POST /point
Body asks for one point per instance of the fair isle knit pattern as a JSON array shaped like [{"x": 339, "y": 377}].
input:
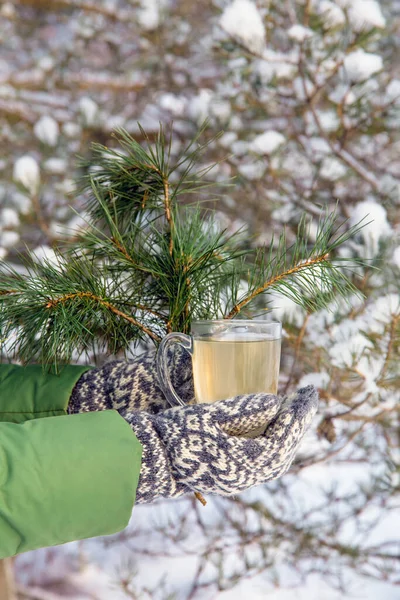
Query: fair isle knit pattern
[
  {"x": 204, "y": 447},
  {"x": 200, "y": 447},
  {"x": 131, "y": 386}
]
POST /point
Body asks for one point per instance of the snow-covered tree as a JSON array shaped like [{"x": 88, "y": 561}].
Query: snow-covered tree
[{"x": 308, "y": 95}]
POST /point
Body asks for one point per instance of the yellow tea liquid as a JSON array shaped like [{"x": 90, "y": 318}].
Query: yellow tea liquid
[{"x": 229, "y": 367}]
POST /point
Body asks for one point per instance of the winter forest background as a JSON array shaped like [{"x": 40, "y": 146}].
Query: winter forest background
[{"x": 308, "y": 95}]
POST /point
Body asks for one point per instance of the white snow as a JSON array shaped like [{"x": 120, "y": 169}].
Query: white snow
[
  {"x": 26, "y": 172},
  {"x": 347, "y": 342},
  {"x": 56, "y": 166},
  {"x": 89, "y": 110},
  {"x": 317, "y": 276},
  {"x": 371, "y": 368},
  {"x": 240, "y": 147},
  {"x": 359, "y": 65},
  {"x": 364, "y": 14},
  {"x": 382, "y": 311},
  {"x": 9, "y": 218},
  {"x": 61, "y": 230},
  {"x": 236, "y": 123},
  {"x": 21, "y": 202},
  {"x": 78, "y": 222},
  {"x": 264, "y": 70},
  {"x": 227, "y": 139},
  {"x": 342, "y": 93},
  {"x": 66, "y": 186},
  {"x": 95, "y": 582},
  {"x": 296, "y": 162},
  {"x": 46, "y": 63},
  {"x": 221, "y": 109},
  {"x": 312, "y": 231},
  {"x": 252, "y": 171},
  {"x": 267, "y": 142},
  {"x": 393, "y": 90},
  {"x": 332, "y": 169},
  {"x": 242, "y": 21},
  {"x": 72, "y": 130},
  {"x": 328, "y": 119},
  {"x": 175, "y": 104},
  {"x": 317, "y": 146},
  {"x": 303, "y": 88},
  {"x": 8, "y": 239},
  {"x": 299, "y": 33},
  {"x": 331, "y": 13},
  {"x": 379, "y": 226},
  {"x": 284, "y": 309},
  {"x": 396, "y": 256},
  {"x": 317, "y": 588},
  {"x": 391, "y": 186},
  {"x": 47, "y": 130},
  {"x": 319, "y": 380},
  {"x": 41, "y": 252},
  {"x": 375, "y": 317},
  {"x": 284, "y": 65},
  {"x": 112, "y": 122},
  {"x": 199, "y": 106},
  {"x": 149, "y": 15},
  {"x": 349, "y": 351}
]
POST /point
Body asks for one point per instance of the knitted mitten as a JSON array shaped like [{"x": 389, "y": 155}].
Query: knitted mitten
[
  {"x": 131, "y": 386},
  {"x": 203, "y": 447}
]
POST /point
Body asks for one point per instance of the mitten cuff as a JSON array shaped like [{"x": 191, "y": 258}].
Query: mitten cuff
[
  {"x": 157, "y": 476},
  {"x": 90, "y": 393}
]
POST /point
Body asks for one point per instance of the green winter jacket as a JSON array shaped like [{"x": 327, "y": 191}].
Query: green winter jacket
[{"x": 62, "y": 477}]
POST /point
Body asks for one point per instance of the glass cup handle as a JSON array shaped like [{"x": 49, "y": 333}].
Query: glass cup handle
[{"x": 164, "y": 378}]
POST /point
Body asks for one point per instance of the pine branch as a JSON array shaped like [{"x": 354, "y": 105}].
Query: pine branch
[
  {"x": 147, "y": 265},
  {"x": 133, "y": 178},
  {"x": 56, "y": 310},
  {"x": 79, "y": 295},
  {"x": 274, "y": 282},
  {"x": 297, "y": 271}
]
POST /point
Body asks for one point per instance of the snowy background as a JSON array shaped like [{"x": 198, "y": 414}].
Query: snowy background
[{"x": 308, "y": 95}]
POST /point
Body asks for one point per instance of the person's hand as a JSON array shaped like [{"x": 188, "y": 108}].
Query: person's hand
[
  {"x": 204, "y": 448},
  {"x": 132, "y": 386}
]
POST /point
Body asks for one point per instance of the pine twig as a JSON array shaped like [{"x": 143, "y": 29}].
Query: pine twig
[
  {"x": 271, "y": 282},
  {"x": 167, "y": 203},
  {"x": 168, "y": 214},
  {"x": 52, "y": 303},
  {"x": 126, "y": 254},
  {"x": 200, "y": 498}
]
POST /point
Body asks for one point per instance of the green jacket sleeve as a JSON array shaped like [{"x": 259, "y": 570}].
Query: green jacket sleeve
[{"x": 62, "y": 478}]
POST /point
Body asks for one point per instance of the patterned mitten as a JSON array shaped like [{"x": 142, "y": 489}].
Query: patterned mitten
[
  {"x": 131, "y": 386},
  {"x": 204, "y": 448}
]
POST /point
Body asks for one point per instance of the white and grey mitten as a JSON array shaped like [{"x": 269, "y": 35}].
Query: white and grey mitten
[
  {"x": 131, "y": 386},
  {"x": 203, "y": 447}
]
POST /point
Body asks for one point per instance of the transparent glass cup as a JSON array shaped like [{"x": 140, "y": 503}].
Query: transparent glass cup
[{"x": 229, "y": 358}]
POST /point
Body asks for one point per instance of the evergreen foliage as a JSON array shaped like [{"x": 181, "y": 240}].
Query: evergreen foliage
[{"x": 148, "y": 263}]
